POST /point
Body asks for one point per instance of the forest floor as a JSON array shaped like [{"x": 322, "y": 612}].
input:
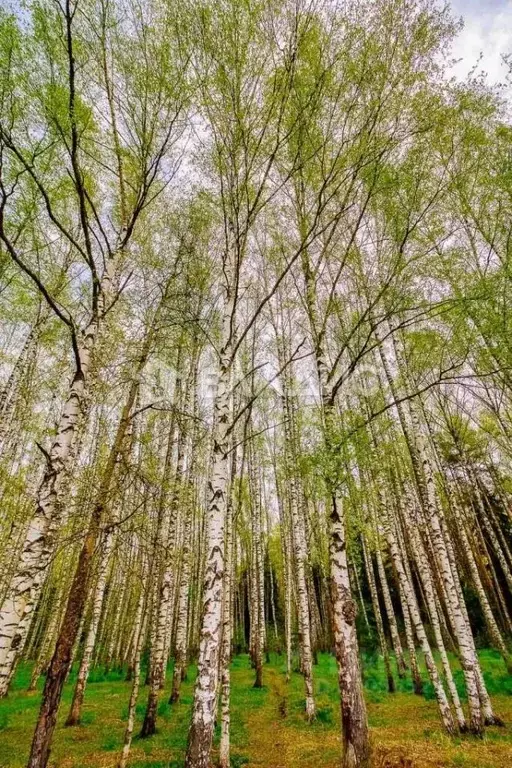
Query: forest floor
[{"x": 268, "y": 727}]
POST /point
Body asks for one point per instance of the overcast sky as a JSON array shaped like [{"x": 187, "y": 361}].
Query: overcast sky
[{"x": 487, "y": 30}]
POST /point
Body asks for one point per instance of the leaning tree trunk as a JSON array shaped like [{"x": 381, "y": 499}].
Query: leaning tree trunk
[
  {"x": 390, "y": 612},
  {"x": 158, "y": 654},
  {"x": 62, "y": 656},
  {"x": 11, "y": 396},
  {"x": 469, "y": 661},
  {"x": 497, "y": 549},
  {"x": 38, "y": 546},
  {"x": 370, "y": 575},
  {"x": 425, "y": 483},
  {"x": 138, "y": 644},
  {"x": 424, "y": 572},
  {"x": 25, "y": 588},
  {"x": 489, "y": 718},
  {"x": 408, "y": 590},
  {"x": 492, "y": 626},
  {"x": 97, "y": 603},
  {"x": 411, "y": 647},
  {"x": 50, "y": 634}
]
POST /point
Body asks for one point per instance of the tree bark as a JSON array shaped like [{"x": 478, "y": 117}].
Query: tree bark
[
  {"x": 61, "y": 660},
  {"x": 205, "y": 694},
  {"x": 83, "y": 672}
]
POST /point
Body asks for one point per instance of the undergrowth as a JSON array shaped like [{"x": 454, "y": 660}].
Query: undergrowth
[{"x": 268, "y": 726}]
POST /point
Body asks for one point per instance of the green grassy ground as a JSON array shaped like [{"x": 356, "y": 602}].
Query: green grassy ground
[{"x": 268, "y": 727}]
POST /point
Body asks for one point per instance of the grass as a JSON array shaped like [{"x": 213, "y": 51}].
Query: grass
[{"x": 268, "y": 728}]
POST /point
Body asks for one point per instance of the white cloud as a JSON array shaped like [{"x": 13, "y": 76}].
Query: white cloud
[{"x": 487, "y": 31}]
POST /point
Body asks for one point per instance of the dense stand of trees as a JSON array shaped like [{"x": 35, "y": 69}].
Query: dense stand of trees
[{"x": 255, "y": 381}]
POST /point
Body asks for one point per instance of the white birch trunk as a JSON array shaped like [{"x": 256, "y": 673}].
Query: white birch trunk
[
  {"x": 469, "y": 661},
  {"x": 492, "y": 626},
  {"x": 257, "y": 575},
  {"x": 408, "y": 590},
  {"x": 496, "y": 546},
  {"x": 298, "y": 543},
  {"x": 182, "y": 607},
  {"x": 395, "y": 637},
  {"x": 139, "y": 641},
  {"x": 378, "y": 616},
  {"x": 225, "y": 678},
  {"x": 38, "y": 546},
  {"x": 205, "y": 694},
  {"x": 429, "y": 591}
]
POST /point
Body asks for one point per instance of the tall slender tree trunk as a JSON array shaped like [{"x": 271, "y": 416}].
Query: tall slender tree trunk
[
  {"x": 390, "y": 612},
  {"x": 354, "y": 719},
  {"x": 378, "y": 616},
  {"x": 138, "y": 645},
  {"x": 427, "y": 494},
  {"x": 408, "y": 589},
  {"x": 287, "y": 571},
  {"x": 225, "y": 660},
  {"x": 180, "y": 660},
  {"x": 25, "y": 588},
  {"x": 497, "y": 549},
  {"x": 205, "y": 693},
  {"x": 37, "y": 549},
  {"x": 461, "y": 627},
  {"x": 298, "y": 543},
  {"x": 11, "y": 395},
  {"x": 424, "y": 572},
  {"x": 62, "y": 656},
  {"x": 257, "y": 574},
  {"x": 492, "y": 626},
  {"x": 362, "y": 605},
  {"x": 165, "y": 567},
  {"x": 356, "y": 745},
  {"x": 411, "y": 647},
  {"x": 99, "y": 593}
]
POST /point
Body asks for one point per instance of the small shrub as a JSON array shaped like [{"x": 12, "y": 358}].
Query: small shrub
[
  {"x": 237, "y": 761},
  {"x": 324, "y": 714},
  {"x": 164, "y": 710},
  {"x": 88, "y": 717},
  {"x": 110, "y": 743},
  {"x": 428, "y": 691}
]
